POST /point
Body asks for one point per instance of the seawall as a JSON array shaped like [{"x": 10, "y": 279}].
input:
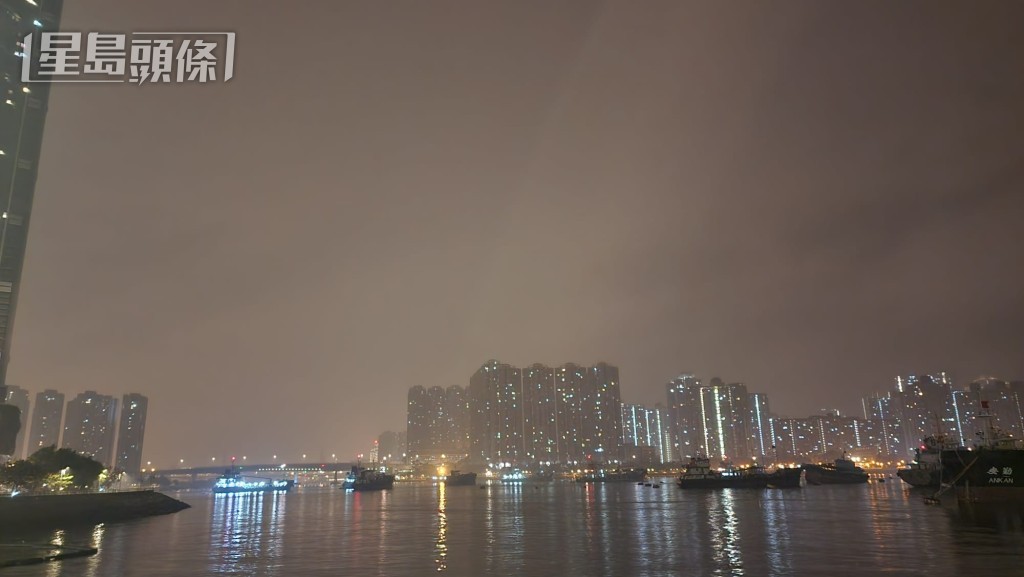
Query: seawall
[{"x": 45, "y": 511}]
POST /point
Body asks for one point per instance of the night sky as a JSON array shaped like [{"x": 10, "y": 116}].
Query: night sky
[{"x": 809, "y": 198}]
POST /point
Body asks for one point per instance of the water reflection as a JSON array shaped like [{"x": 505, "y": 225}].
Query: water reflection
[
  {"x": 724, "y": 525},
  {"x": 441, "y": 548},
  {"x": 246, "y": 532}
]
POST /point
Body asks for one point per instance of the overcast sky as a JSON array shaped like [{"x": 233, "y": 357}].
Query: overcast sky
[{"x": 809, "y": 198}]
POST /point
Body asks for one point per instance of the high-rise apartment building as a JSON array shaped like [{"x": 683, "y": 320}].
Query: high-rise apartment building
[
  {"x": 89, "y": 426},
  {"x": 725, "y": 414},
  {"x": 496, "y": 414},
  {"x": 131, "y": 433},
  {"x": 23, "y": 108},
  {"x": 540, "y": 414},
  {"x": 437, "y": 422},
  {"x": 22, "y": 117},
  {"x": 47, "y": 420},
  {"x": 602, "y": 413},
  {"x": 648, "y": 428},
  {"x": 683, "y": 396}
]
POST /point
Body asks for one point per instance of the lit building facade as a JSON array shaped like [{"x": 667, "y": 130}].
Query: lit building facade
[
  {"x": 642, "y": 428},
  {"x": 683, "y": 396},
  {"x": 496, "y": 414},
  {"x": 47, "y": 420},
  {"x": 131, "y": 433},
  {"x": 540, "y": 414},
  {"x": 22, "y": 118},
  {"x": 89, "y": 426}
]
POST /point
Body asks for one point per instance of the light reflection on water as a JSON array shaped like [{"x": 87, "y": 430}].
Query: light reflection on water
[{"x": 554, "y": 529}]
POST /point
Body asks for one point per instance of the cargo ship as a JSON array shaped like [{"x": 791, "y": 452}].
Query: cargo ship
[
  {"x": 458, "y": 478},
  {"x": 990, "y": 472},
  {"x": 842, "y": 471}
]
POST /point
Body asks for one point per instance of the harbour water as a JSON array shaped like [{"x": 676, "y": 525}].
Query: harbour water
[{"x": 554, "y": 528}]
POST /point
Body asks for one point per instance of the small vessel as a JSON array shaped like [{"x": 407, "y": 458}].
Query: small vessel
[
  {"x": 698, "y": 474},
  {"x": 458, "y": 478},
  {"x": 232, "y": 481},
  {"x": 842, "y": 471},
  {"x": 363, "y": 479},
  {"x": 926, "y": 470},
  {"x": 612, "y": 476}
]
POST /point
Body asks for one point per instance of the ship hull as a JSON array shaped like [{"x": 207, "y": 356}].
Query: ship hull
[
  {"x": 985, "y": 475},
  {"x": 917, "y": 477},
  {"x": 787, "y": 478},
  {"x": 367, "y": 486},
  {"x": 460, "y": 480},
  {"x": 818, "y": 475}
]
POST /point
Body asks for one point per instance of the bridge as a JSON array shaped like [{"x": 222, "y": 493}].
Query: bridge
[{"x": 259, "y": 470}]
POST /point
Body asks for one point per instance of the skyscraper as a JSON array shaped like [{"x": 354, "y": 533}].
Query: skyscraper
[
  {"x": 22, "y": 116},
  {"x": 456, "y": 436},
  {"x": 602, "y": 413},
  {"x": 496, "y": 414},
  {"x": 644, "y": 428},
  {"x": 760, "y": 432},
  {"x": 18, "y": 397},
  {"x": 725, "y": 414},
  {"x": 540, "y": 413},
  {"x": 683, "y": 396},
  {"x": 418, "y": 422},
  {"x": 47, "y": 420},
  {"x": 437, "y": 422},
  {"x": 131, "y": 432},
  {"x": 89, "y": 425}
]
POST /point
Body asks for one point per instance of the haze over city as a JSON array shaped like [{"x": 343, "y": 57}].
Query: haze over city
[{"x": 391, "y": 195}]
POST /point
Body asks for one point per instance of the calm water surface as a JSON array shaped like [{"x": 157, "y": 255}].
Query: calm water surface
[{"x": 554, "y": 529}]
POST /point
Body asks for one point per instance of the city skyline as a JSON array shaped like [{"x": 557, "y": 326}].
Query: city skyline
[{"x": 746, "y": 192}]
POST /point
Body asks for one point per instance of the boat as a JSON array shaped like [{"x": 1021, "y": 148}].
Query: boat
[
  {"x": 990, "y": 472},
  {"x": 457, "y": 478},
  {"x": 926, "y": 469},
  {"x": 232, "y": 481},
  {"x": 698, "y": 474},
  {"x": 787, "y": 478},
  {"x": 363, "y": 479},
  {"x": 842, "y": 471},
  {"x": 612, "y": 476}
]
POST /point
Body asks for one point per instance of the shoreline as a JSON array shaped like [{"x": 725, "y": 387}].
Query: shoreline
[{"x": 33, "y": 512}]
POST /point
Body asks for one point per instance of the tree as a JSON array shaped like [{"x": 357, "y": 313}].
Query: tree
[{"x": 23, "y": 475}]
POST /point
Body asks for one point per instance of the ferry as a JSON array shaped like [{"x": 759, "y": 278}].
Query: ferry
[{"x": 232, "y": 481}]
